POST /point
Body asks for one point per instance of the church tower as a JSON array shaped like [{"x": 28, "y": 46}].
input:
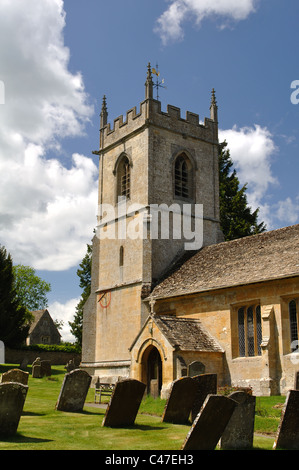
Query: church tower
[{"x": 156, "y": 171}]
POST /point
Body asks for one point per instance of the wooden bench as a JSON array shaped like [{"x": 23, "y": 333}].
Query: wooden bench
[{"x": 102, "y": 389}]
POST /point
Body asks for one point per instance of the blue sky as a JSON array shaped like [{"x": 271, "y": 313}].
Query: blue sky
[{"x": 58, "y": 58}]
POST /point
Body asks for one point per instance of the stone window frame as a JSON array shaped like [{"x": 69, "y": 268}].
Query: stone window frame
[
  {"x": 179, "y": 188},
  {"x": 247, "y": 337},
  {"x": 287, "y": 339},
  {"x": 122, "y": 172},
  {"x": 293, "y": 323}
]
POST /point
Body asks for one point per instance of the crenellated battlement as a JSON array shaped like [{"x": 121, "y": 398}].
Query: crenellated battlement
[{"x": 150, "y": 113}]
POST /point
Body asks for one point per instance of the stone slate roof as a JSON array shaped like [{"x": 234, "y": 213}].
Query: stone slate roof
[
  {"x": 186, "y": 334},
  {"x": 37, "y": 314},
  {"x": 267, "y": 256}
]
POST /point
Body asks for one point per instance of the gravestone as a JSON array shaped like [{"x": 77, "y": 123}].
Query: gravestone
[
  {"x": 15, "y": 375},
  {"x": 2, "y": 353},
  {"x": 210, "y": 423},
  {"x": 124, "y": 403},
  {"x": 73, "y": 391},
  {"x": 70, "y": 365},
  {"x": 238, "y": 434},
  {"x": 288, "y": 430},
  {"x": 46, "y": 368},
  {"x": 196, "y": 368},
  {"x": 24, "y": 363},
  {"x": 12, "y": 399},
  {"x": 206, "y": 385},
  {"x": 37, "y": 368},
  {"x": 180, "y": 401}
]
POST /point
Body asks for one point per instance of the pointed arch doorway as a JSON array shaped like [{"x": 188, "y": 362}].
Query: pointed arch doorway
[{"x": 152, "y": 371}]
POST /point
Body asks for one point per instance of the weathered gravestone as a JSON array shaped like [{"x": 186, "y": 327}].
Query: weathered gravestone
[
  {"x": 24, "y": 363},
  {"x": 12, "y": 399},
  {"x": 73, "y": 391},
  {"x": 37, "y": 368},
  {"x": 288, "y": 430},
  {"x": 15, "y": 375},
  {"x": 46, "y": 368},
  {"x": 206, "y": 385},
  {"x": 196, "y": 368},
  {"x": 2, "y": 353},
  {"x": 124, "y": 403},
  {"x": 210, "y": 423},
  {"x": 180, "y": 401},
  {"x": 238, "y": 434}
]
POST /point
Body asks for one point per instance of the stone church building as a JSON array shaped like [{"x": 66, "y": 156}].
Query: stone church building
[{"x": 161, "y": 308}]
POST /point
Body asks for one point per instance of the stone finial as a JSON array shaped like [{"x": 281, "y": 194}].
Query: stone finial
[
  {"x": 104, "y": 113},
  {"x": 214, "y": 107},
  {"x": 149, "y": 85}
]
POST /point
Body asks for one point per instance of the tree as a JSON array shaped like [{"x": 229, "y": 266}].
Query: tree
[
  {"x": 84, "y": 274},
  {"x": 236, "y": 218},
  {"x": 31, "y": 290},
  {"x": 14, "y": 325}
]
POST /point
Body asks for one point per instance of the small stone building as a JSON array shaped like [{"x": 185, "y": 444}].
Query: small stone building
[
  {"x": 158, "y": 310},
  {"x": 43, "y": 329}
]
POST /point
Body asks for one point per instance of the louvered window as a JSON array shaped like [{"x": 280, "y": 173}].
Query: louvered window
[
  {"x": 124, "y": 178},
  {"x": 183, "y": 177}
]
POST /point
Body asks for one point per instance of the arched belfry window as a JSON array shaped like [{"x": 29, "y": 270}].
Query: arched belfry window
[
  {"x": 183, "y": 177},
  {"x": 123, "y": 178}
]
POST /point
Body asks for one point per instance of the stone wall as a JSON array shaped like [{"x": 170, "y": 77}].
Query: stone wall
[{"x": 16, "y": 356}]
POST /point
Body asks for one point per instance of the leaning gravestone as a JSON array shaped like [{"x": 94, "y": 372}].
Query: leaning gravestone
[
  {"x": 238, "y": 434},
  {"x": 15, "y": 375},
  {"x": 206, "y": 385},
  {"x": 12, "y": 399},
  {"x": 210, "y": 423},
  {"x": 124, "y": 403},
  {"x": 73, "y": 391},
  {"x": 288, "y": 430},
  {"x": 179, "y": 404}
]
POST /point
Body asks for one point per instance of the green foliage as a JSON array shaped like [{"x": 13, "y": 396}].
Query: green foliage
[
  {"x": 236, "y": 218},
  {"x": 13, "y": 316},
  {"x": 64, "y": 347},
  {"x": 31, "y": 289},
  {"x": 84, "y": 274}
]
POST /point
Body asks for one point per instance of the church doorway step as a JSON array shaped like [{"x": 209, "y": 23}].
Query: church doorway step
[{"x": 153, "y": 371}]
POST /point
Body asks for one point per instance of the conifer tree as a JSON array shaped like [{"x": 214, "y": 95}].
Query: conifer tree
[
  {"x": 14, "y": 324},
  {"x": 84, "y": 273},
  {"x": 236, "y": 218}
]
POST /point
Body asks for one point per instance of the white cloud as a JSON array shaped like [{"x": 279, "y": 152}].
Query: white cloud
[
  {"x": 169, "y": 24},
  {"x": 64, "y": 312},
  {"x": 252, "y": 150},
  {"x": 287, "y": 211},
  {"x": 47, "y": 210}
]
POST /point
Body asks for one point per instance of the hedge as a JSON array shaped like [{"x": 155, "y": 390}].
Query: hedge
[{"x": 66, "y": 347}]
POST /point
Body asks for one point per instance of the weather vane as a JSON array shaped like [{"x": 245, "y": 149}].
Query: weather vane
[{"x": 158, "y": 84}]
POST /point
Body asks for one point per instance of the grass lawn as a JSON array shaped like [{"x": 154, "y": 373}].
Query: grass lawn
[{"x": 41, "y": 427}]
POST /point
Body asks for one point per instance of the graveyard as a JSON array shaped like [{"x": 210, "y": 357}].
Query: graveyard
[{"x": 45, "y": 423}]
